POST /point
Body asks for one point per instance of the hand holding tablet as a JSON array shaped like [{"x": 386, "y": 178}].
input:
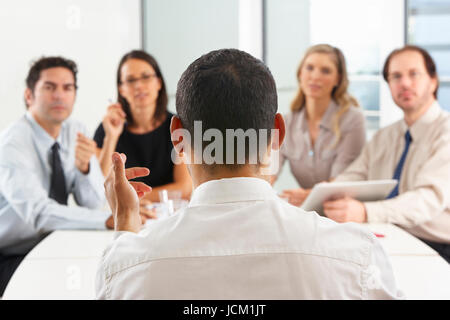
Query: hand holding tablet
[{"x": 360, "y": 190}]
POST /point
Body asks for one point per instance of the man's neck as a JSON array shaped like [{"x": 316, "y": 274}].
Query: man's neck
[
  {"x": 52, "y": 129},
  {"x": 200, "y": 175},
  {"x": 412, "y": 117}
]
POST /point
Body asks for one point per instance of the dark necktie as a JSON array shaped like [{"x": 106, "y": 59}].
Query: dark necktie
[
  {"x": 58, "y": 181},
  {"x": 399, "y": 168}
]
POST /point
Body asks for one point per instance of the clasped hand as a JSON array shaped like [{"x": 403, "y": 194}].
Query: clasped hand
[
  {"x": 84, "y": 150},
  {"x": 345, "y": 209}
]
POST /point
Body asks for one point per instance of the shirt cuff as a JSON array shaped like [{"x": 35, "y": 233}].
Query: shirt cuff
[
  {"x": 99, "y": 222},
  {"x": 94, "y": 178},
  {"x": 118, "y": 234},
  {"x": 376, "y": 213}
]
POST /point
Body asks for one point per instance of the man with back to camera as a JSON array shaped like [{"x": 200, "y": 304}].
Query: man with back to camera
[
  {"x": 43, "y": 158},
  {"x": 414, "y": 150},
  {"x": 237, "y": 239}
]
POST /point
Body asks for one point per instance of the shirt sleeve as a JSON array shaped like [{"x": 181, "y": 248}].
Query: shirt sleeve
[
  {"x": 101, "y": 280},
  {"x": 100, "y": 284},
  {"x": 103, "y": 276},
  {"x": 378, "y": 279},
  {"x": 23, "y": 190},
  {"x": 428, "y": 197},
  {"x": 99, "y": 136},
  {"x": 88, "y": 188},
  {"x": 352, "y": 141},
  {"x": 358, "y": 170}
]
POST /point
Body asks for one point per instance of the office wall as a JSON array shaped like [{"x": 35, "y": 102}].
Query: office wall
[
  {"x": 178, "y": 37},
  {"x": 95, "y": 34},
  {"x": 287, "y": 38}
]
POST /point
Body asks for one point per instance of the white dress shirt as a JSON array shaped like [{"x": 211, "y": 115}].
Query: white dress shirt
[
  {"x": 423, "y": 204},
  {"x": 26, "y": 211},
  {"x": 238, "y": 240}
]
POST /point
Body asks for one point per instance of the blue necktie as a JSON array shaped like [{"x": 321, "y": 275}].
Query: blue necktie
[{"x": 398, "y": 169}]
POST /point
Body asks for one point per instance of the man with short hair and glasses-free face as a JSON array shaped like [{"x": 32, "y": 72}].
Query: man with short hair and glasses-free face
[
  {"x": 44, "y": 157},
  {"x": 414, "y": 150},
  {"x": 237, "y": 239}
]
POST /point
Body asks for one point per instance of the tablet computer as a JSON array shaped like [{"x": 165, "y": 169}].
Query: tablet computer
[{"x": 372, "y": 190}]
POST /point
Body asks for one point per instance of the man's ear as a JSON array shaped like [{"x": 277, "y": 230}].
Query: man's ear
[
  {"x": 175, "y": 123},
  {"x": 434, "y": 84},
  {"x": 281, "y": 127},
  {"x": 28, "y": 96},
  {"x": 176, "y": 132}
]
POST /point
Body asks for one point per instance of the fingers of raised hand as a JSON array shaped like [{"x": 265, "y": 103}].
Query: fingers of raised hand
[
  {"x": 147, "y": 212},
  {"x": 136, "y": 172},
  {"x": 145, "y": 202},
  {"x": 85, "y": 148},
  {"x": 85, "y": 143},
  {"x": 116, "y": 111},
  {"x": 141, "y": 188}
]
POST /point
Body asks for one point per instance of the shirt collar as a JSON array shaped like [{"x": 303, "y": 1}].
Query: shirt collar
[
  {"x": 327, "y": 119},
  {"x": 46, "y": 141},
  {"x": 232, "y": 190},
  {"x": 422, "y": 125}
]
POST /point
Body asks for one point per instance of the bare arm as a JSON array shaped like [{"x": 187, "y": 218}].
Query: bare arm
[
  {"x": 182, "y": 181},
  {"x": 104, "y": 154},
  {"x": 113, "y": 124}
]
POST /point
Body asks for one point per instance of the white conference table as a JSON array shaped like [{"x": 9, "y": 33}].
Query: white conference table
[{"x": 63, "y": 266}]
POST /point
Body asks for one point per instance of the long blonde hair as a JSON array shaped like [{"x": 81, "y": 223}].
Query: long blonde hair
[{"x": 339, "y": 94}]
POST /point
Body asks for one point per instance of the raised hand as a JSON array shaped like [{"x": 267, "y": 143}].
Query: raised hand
[
  {"x": 84, "y": 150},
  {"x": 123, "y": 195},
  {"x": 114, "y": 121}
]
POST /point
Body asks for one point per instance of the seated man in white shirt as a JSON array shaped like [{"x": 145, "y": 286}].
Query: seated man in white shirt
[
  {"x": 414, "y": 150},
  {"x": 237, "y": 239},
  {"x": 44, "y": 157}
]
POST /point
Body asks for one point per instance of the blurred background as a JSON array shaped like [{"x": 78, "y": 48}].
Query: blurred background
[{"x": 96, "y": 34}]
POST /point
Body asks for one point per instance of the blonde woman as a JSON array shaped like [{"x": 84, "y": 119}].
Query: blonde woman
[{"x": 325, "y": 130}]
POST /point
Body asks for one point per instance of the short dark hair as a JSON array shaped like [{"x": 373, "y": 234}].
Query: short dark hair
[
  {"x": 227, "y": 89},
  {"x": 162, "y": 100},
  {"x": 44, "y": 63},
  {"x": 430, "y": 66}
]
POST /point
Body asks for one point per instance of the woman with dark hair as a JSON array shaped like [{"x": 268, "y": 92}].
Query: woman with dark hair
[{"x": 138, "y": 126}]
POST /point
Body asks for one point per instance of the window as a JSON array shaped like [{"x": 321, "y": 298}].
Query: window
[
  {"x": 333, "y": 23},
  {"x": 366, "y": 32},
  {"x": 178, "y": 32},
  {"x": 427, "y": 22}
]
